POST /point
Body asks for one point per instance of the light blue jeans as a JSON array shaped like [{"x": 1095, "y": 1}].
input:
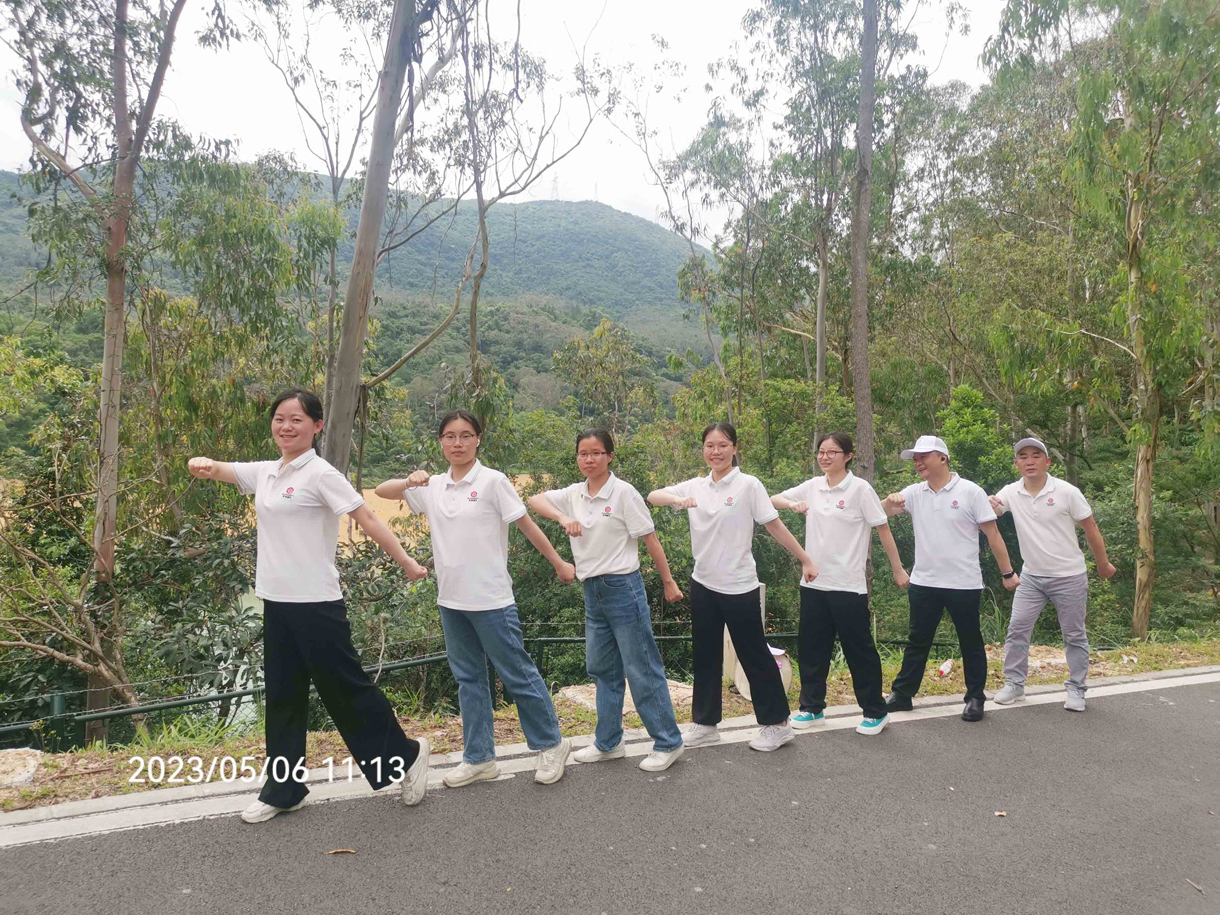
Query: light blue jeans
[
  {"x": 470, "y": 637},
  {"x": 620, "y": 650}
]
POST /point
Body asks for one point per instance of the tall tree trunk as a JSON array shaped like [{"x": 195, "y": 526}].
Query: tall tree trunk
[
  {"x": 865, "y": 461},
  {"x": 820, "y": 328},
  {"x": 349, "y": 362},
  {"x": 328, "y": 392}
]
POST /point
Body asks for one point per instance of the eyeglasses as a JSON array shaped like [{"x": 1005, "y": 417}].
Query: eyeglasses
[
  {"x": 450, "y": 438},
  {"x": 716, "y": 449},
  {"x": 829, "y": 454},
  {"x": 590, "y": 455}
]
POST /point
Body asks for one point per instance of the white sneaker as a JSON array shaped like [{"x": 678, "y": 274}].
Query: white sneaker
[
  {"x": 1075, "y": 702},
  {"x": 772, "y": 737},
  {"x": 592, "y": 754},
  {"x": 258, "y": 812},
  {"x": 658, "y": 761},
  {"x": 550, "y": 762},
  {"x": 469, "y": 773},
  {"x": 415, "y": 782},
  {"x": 700, "y": 735},
  {"x": 1009, "y": 694}
]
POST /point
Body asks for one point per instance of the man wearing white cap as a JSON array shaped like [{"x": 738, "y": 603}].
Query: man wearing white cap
[
  {"x": 1046, "y": 511},
  {"x": 947, "y": 513}
]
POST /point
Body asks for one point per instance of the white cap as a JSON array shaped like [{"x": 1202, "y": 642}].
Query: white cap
[
  {"x": 925, "y": 445},
  {"x": 1028, "y": 443}
]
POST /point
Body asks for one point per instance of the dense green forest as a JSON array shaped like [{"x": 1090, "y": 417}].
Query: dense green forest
[{"x": 1037, "y": 256}]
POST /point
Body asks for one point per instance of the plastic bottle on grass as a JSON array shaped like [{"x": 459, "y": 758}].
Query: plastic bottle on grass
[{"x": 945, "y": 669}]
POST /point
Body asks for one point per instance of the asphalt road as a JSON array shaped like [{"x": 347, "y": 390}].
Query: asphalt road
[{"x": 1107, "y": 813}]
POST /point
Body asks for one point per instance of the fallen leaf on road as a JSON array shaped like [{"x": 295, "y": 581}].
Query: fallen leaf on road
[
  {"x": 342, "y": 851},
  {"x": 1001, "y": 813},
  {"x": 1196, "y": 886}
]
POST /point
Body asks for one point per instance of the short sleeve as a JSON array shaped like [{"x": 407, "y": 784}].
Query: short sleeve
[
  {"x": 1079, "y": 506},
  {"x": 760, "y": 504},
  {"x": 871, "y": 507},
  {"x": 561, "y": 499},
  {"x": 1004, "y": 495},
  {"x": 909, "y": 493},
  {"x": 798, "y": 493},
  {"x": 683, "y": 490},
  {"x": 981, "y": 506},
  {"x": 336, "y": 493},
  {"x": 507, "y": 501},
  {"x": 417, "y": 499},
  {"x": 247, "y": 473},
  {"x": 636, "y": 514}
]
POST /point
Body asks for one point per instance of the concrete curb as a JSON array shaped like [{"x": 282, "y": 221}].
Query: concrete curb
[{"x": 165, "y": 805}]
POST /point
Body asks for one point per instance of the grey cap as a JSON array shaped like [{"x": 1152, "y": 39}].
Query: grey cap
[{"x": 1030, "y": 443}]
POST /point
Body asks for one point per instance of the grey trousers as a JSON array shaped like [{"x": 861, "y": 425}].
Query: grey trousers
[{"x": 1069, "y": 595}]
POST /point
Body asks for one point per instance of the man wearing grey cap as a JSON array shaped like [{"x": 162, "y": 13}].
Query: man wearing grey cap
[
  {"x": 1046, "y": 511},
  {"x": 947, "y": 514}
]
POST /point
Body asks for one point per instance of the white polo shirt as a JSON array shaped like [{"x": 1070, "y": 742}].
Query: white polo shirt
[
  {"x": 722, "y": 528},
  {"x": 298, "y": 509},
  {"x": 469, "y": 523},
  {"x": 1046, "y": 526},
  {"x": 838, "y": 527},
  {"x": 947, "y": 533},
  {"x": 612, "y": 523}
]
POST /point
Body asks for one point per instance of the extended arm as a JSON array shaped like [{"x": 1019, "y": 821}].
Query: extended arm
[
  {"x": 894, "y": 504},
  {"x": 208, "y": 469},
  {"x": 1092, "y": 535},
  {"x": 394, "y": 489},
  {"x": 784, "y": 538},
  {"x": 379, "y": 532},
  {"x": 533, "y": 533},
  {"x": 787, "y": 505},
  {"x": 542, "y": 506},
  {"x": 901, "y": 579},
  {"x": 1000, "y": 551},
  {"x": 657, "y": 552},
  {"x": 660, "y": 498}
]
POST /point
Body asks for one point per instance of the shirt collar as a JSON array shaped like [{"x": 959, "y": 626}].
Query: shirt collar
[
  {"x": 840, "y": 486},
  {"x": 297, "y": 463},
  {"x": 603, "y": 493},
  {"x": 724, "y": 480},
  {"x": 1049, "y": 487},
  {"x": 953, "y": 478},
  {"x": 472, "y": 474}
]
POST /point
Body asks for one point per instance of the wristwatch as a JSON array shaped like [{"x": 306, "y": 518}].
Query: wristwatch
[{"x": 1009, "y": 574}]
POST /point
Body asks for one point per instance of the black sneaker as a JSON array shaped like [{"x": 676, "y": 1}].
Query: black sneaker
[{"x": 899, "y": 703}]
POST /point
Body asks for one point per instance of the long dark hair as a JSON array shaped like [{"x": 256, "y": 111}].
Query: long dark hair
[
  {"x": 843, "y": 440},
  {"x": 454, "y": 416},
  {"x": 602, "y": 435},
  {"x": 728, "y": 430},
  {"x": 309, "y": 403}
]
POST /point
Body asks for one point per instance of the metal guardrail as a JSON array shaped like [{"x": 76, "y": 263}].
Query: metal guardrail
[{"x": 63, "y": 731}]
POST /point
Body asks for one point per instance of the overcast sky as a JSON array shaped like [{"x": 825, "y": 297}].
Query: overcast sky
[{"x": 236, "y": 94}]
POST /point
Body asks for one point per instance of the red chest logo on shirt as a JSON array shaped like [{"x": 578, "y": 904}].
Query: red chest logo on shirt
[
  {"x": 1050, "y": 500},
  {"x": 955, "y": 503},
  {"x": 729, "y": 501},
  {"x": 288, "y": 493},
  {"x": 607, "y": 510},
  {"x": 842, "y": 504},
  {"x": 473, "y": 497}
]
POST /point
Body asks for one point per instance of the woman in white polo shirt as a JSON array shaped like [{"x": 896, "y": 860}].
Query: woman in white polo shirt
[
  {"x": 605, "y": 518},
  {"x": 841, "y": 511},
  {"x": 723, "y": 508},
  {"x": 298, "y": 500},
  {"x": 469, "y": 509}
]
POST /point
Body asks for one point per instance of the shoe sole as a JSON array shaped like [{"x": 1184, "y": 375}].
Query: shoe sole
[
  {"x": 550, "y": 780},
  {"x": 1070, "y": 709},
  {"x": 481, "y": 777},
  {"x": 617, "y": 753},
  {"x": 673, "y": 759},
  {"x": 272, "y": 816},
  {"x": 415, "y": 786},
  {"x": 869, "y": 732},
  {"x": 783, "y": 740},
  {"x": 972, "y": 720},
  {"x": 806, "y": 725},
  {"x": 700, "y": 741},
  {"x": 1009, "y": 701}
]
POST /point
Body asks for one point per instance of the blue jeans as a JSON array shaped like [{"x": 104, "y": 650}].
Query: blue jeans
[
  {"x": 619, "y": 647},
  {"x": 471, "y": 635}
]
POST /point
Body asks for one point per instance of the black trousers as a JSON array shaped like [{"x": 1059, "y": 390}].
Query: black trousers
[
  {"x": 711, "y": 611},
  {"x": 313, "y": 641},
  {"x": 927, "y": 607},
  {"x": 825, "y": 614}
]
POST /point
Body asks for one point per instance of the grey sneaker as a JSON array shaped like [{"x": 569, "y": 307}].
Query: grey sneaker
[
  {"x": 659, "y": 760},
  {"x": 469, "y": 773},
  {"x": 550, "y": 763},
  {"x": 592, "y": 754},
  {"x": 1009, "y": 694},
  {"x": 700, "y": 735},
  {"x": 1075, "y": 701},
  {"x": 415, "y": 782},
  {"x": 772, "y": 737}
]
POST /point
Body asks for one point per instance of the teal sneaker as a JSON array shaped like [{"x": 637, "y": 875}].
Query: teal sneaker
[
  {"x": 805, "y": 720},
  {"x": 872, "y": 726}
]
